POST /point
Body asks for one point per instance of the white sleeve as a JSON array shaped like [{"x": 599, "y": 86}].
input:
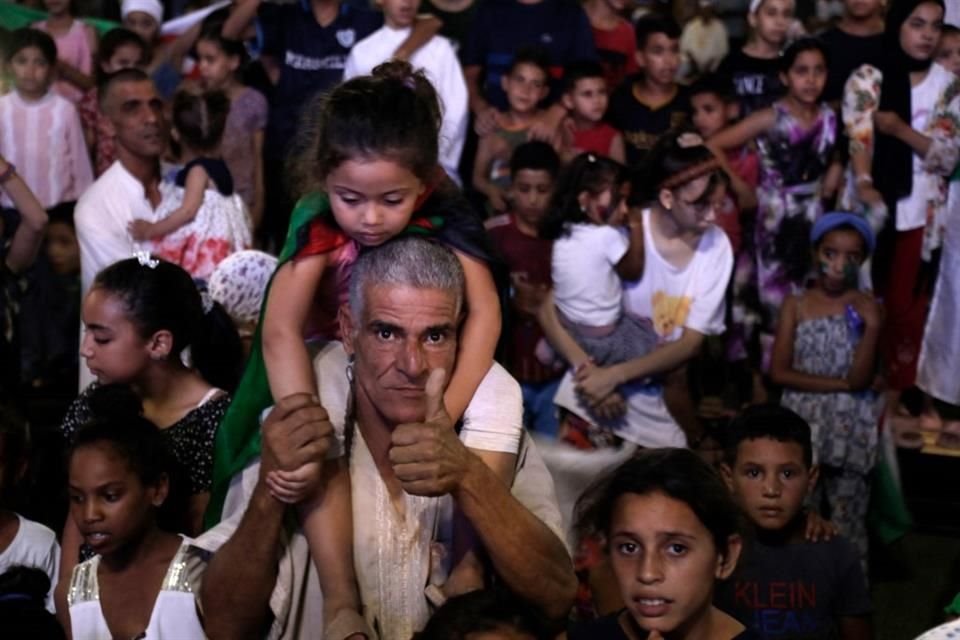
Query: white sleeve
[
  {"x": 613, "y": 243},
  {"x": 493, "y": 420},
  {"x": 53, "y": 571},
  {"x": 708, "y": 305},
  {"x": 351, "y": 68},
  {"x": 102, "y": 239},
  {"x": 454, "y": 97}
]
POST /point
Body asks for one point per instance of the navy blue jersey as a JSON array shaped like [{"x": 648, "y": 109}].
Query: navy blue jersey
[
  {"x": 502, "y": 27},
  {"x": 311, "y": 57}
]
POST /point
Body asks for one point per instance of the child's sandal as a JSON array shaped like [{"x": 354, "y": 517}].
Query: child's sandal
[
  {"x": 949, "y": 437},
  {"x": 346, "y": 623},
  {"x": 906, "y": 432}
]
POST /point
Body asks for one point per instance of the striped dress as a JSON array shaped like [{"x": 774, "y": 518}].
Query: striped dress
[{"x": 44, "y": 139}]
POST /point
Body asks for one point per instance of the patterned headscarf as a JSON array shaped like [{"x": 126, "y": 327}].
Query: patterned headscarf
[{"x": 239, "y": 283}]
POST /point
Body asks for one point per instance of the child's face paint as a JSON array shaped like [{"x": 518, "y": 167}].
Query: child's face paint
[
  {"x": 851, "y": 275},
  {"x": 839, "y": 256}
]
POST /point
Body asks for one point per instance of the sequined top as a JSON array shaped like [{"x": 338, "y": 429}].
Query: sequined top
[{"x": 174, "y": 614}]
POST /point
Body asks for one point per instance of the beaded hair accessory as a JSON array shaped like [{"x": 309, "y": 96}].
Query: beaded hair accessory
[{"x": 145, "y": 259}]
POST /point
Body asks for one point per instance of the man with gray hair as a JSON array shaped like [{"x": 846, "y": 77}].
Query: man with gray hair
[{"x": 382, "y": 391}]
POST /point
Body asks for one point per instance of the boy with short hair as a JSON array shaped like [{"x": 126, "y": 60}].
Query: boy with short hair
[
  {"x": 585, "y": 97},
  {"x": 525, "y": 85},
  {"x": 651, "y": 102},
  {"x": 714, "y": 107},
  {"x": 785, "y": 587},
  {"x": 533, "y": 171}
]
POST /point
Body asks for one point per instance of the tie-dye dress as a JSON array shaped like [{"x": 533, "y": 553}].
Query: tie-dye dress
[{"x": 793, "y": 161}]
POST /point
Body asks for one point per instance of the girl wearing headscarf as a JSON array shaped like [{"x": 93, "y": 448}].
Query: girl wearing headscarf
[{"x": 903, "y": 121}]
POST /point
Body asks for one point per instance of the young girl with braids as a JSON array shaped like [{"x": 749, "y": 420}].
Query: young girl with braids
[
  {"x": 370, "y": 172},
  {"x": 205, "y": 220}
]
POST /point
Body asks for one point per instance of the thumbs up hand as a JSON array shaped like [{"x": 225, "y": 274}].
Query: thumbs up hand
[{"x": 427, "y": 457}]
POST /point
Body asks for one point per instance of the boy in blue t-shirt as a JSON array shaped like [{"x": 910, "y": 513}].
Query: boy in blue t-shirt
[
  {"x": 651, "y": 102},
  {"x": 785, "y": 587}
]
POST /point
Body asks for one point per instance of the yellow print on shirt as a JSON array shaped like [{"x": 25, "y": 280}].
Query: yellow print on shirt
[{"x": 669, "y": 312}]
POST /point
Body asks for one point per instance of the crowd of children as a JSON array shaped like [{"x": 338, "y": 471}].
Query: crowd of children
[{"x": 637, "y": 202}]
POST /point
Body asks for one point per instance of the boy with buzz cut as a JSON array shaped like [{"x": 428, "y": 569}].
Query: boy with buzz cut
[
  {"x": 650, "y": 102},
  {"x": 585, "y": 98},
  {"x": 533, "y": 170},
  {"x": 526, "y": 84},
  {"x": 785, "y": 587}
]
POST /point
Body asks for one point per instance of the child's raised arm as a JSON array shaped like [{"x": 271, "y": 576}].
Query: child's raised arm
[
  {"x": 285, "y": 355},
  {"x": 558, "y": 337},
  {"x": 740, "y": 134},
  {"x": 478, "y": 338},
  {"x": 256, "y": 211},
  {"x": 862, "y": 368},
  {"x": 195, "y": 185},
  {"x": 618, "y": 149},
  {"x": 631, "y": 264},
  {"x": 33, "y": 220},
  {"x": 487, "y": 150}
]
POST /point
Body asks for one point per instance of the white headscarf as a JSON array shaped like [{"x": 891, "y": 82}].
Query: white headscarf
[{"x": 152, "y": 8}]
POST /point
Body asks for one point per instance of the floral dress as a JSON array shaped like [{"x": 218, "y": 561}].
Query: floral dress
[
  {"x": 793, "y": 159},
  {"x": 843, "y": 425},
  {"x": 220, "y": 228}
]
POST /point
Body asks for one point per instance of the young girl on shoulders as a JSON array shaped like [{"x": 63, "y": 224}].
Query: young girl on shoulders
[
  {"x": 205, "y": 220},
  {"x": 672, "y": 530},
  {"x": 220, "y": 62},
  {"x": 825, "y": 358},
  {"x": 139, "y": 316},
  {"x": 136, "y": 585},
  {"x": 795, "y": 139},
  {"x": 369, "y": 169}
]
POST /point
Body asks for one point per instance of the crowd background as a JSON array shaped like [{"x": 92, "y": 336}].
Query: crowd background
[{"x": 688, "y": 210}]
